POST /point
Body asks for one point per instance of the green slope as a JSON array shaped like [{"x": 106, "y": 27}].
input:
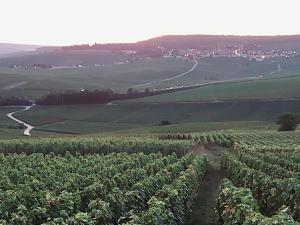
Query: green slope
[
  {"x": 118, "y": 77},
  {"x": 104, "y": 118},
  {"x": 153, "y": 73},
  {"x": 276, "y": 87}
]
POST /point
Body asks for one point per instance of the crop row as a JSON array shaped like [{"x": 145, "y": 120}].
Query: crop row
[
  {"x": 238, "y": 206},
  {"x": 202, "y": 139},
  {"x": 36, "y": 187},
  {"x": 267, "y": 142},
  {"x": 272, "y": 170},
  {"x": 283, "y": 160},
  {"x": 90, "y": 145},
  {"x": 173, "y": 202},
  {"x": 84, "y": 189},
  {"x": 272, "y": 194},
  {"x": 218, "y": 139}
]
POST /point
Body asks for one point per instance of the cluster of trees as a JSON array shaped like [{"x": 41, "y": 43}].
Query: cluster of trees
[
  {"x": 92, "y": 97},
  {"x": 288, "y": 122},
  {"x": 13, "y": 101}
]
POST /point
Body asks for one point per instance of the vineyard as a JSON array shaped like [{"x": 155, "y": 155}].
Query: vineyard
[
  {"x": 149, "y": 181},
  {"x": 97, "y": 189},
  {"x": 91, "y": 145},
  {"x": 264, "y": 180}
]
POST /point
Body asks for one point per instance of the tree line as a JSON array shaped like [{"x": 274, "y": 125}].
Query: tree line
[
  {"x": 13, "y": 101},
  {"x": 93, "y": 97},
  {"x": 86, "y": 97}
]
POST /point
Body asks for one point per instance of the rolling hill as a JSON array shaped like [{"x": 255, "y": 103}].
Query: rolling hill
[
  {"x": 273, "y": 87},
  {"x": 203, "y": 42},
  {"x": 8, "y": 49}
]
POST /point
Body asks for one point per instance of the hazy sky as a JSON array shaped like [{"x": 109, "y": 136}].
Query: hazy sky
[{"x": 65, "y": 22}]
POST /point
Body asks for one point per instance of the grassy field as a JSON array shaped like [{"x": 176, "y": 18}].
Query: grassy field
[
  {"x": 35, "y": 83},
  {"x": 8, "y": 128},
  {"x": 4, "y": 120},
  {"x": 63, "y": 58},
  {"x": 225, "y": 69},
  {"x": 86, "y": 119},
  {"x": 268, "y": 88},
  {"x": 197, "y": 127},
  {"x": 102, "y": 120},
  {"x": 143, "y": 115}
]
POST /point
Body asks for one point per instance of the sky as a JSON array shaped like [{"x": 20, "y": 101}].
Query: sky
[{"x": 67, "y": 22}]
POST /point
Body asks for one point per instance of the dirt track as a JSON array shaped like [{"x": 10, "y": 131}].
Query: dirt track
[
  {"x": 27, "y": 127},
  {"x": 204, "y": 209}
]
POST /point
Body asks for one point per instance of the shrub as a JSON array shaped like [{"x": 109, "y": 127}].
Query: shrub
[
  {"x": 288, "y": 122},
  {"x": 164, "y": 123}
]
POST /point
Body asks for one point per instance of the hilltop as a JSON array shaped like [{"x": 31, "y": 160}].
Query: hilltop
[
  {"x": 282, "y": 42},
  {"x": 7, "y": 48}
]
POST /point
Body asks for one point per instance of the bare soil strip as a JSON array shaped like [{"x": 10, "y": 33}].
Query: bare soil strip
[{"x": 204, "y": 209}]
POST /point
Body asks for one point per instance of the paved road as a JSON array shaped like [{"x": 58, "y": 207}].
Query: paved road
[
  {"x": 171, "y": 78},
  {"x": 12, "y": 86},
  {"x": 27, "y": 126},
  {"x": 198, "y": 84}
]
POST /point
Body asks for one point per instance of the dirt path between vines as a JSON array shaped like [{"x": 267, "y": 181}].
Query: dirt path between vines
[{"x": 204, "y": 209}]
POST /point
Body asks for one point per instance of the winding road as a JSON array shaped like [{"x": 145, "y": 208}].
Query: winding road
[
  {"x": 170, "y": 78},
  {"x": 27, "y": 126}
]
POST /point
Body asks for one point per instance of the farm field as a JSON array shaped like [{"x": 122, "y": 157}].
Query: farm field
[
  {"x": 163, "y": 174},
  {"x": 226, "y": 69},
  {"x": 264, "y": 175},
  {"x": 86, "y": 119},
  {"x": 156, "y": 73},
  {"x": 8, "y": 128},
  {"x": 149, "y": 112},
  {"x": 81, "y": 186},
  {"x": 36, "y": 83},
  {"x": 266, "y": 88},
  {"x": 62, "y": 58},
  {"x": 4, "y": 121}
]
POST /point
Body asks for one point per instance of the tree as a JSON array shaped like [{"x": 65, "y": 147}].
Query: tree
[
  {"x": 165, "y": 122},
  {"x": 130, "y": 91},
  {"x": 288, "y": 122}
]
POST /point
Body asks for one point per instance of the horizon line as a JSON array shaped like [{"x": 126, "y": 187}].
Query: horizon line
[{"x": 151, "y": 38}]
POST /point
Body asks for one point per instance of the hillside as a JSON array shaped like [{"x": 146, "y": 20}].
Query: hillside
[
  {"x": 116, "y": 117},
  {"x": 7, "y": 48},
  {"x": 119, "y": 77},
  {"x": 203, "y": 42},
  {"x": 155, "y": 73},
  {"x": 258, "y": 88},
  {"x": 61, "y": 58}
]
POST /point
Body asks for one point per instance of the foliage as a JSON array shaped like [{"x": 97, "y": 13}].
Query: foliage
[
  {"x": 92, "y": 97},
  {"x": 175, "y": 137},
  {"x": 91, "y": 189},
  {"x": 271, "y": 193},
  {"x": 173, "y": 202},
  {"x": 288, "y": 122},
  {"x": 165, "y": 122},
  {"x": 85, "y": 145},
  {"x": 13, "y": 101},
  {"x": 215, "y": 139},
  {"x": 238, "y": 206}
]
